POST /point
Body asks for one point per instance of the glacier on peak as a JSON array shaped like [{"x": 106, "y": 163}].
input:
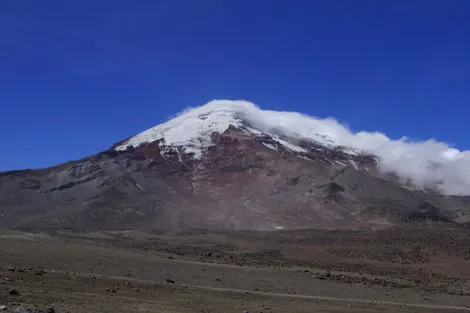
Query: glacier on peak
[{"x": 191, "y": 131}]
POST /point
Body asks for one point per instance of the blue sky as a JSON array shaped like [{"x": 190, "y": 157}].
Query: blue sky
[{"x": 78, "y": 76}]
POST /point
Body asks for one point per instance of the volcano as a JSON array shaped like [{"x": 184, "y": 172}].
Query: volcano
[{"x": 230, "y": 165}]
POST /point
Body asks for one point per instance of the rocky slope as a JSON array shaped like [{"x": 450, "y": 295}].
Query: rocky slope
[{"x": 214, "y": 167}]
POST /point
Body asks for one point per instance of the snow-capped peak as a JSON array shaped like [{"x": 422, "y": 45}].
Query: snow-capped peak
[
  {"x": 191, "y": 132},
  {"x": 192, "y": 129}
]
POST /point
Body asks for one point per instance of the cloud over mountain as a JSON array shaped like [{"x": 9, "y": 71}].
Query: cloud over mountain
[{"x": 426, "y": 163}]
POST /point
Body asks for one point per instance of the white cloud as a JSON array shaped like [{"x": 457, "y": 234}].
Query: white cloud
[{"x": 426, "y": 163}]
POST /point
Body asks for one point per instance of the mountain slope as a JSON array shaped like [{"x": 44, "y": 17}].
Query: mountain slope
[{"x": 221, "y": 166}]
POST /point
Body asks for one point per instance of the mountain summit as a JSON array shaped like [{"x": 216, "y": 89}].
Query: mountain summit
[
  {"x": 231, "y": 165},
  {"x": 192, "y": 130},
  {"x": 427, "y": 164}
]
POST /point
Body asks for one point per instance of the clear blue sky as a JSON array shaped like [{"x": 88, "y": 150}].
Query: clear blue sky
[{"x": 77, "y": 76}]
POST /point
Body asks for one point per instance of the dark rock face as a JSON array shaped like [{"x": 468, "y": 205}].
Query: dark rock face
[
  {"x": 30, "y": 184},
  {"x": 239, "y": 183}
]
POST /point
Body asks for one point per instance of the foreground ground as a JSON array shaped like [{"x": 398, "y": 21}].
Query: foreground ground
[{"x": 399, "y": 270}]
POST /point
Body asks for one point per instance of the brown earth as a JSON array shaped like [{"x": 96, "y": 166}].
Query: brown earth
[
  {"x": 393, "y": 270},
  {"x": 238, "y": 184}
]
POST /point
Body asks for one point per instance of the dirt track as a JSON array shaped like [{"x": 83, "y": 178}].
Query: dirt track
[{"x": 81, "y": 273}]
